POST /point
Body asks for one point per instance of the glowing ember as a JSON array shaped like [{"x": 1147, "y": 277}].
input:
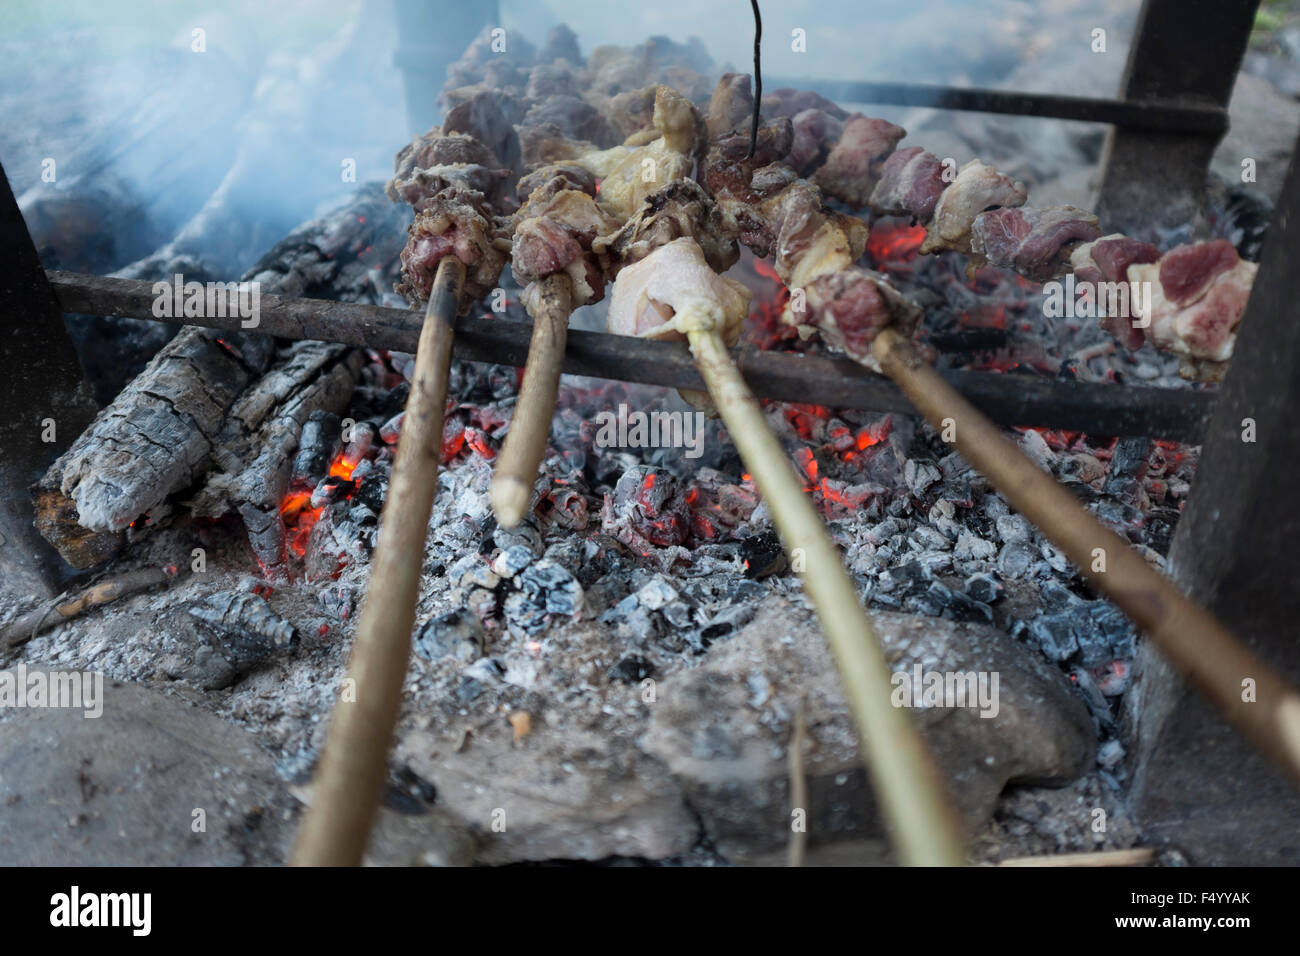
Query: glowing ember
[{"x": 893, "y": 242}]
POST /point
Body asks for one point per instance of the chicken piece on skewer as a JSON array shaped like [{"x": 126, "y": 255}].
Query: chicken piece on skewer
[
  {"x": 977, "y": 187},
  {"x": 672, "y": 290},
  {"x": 1036, "y": 243}
]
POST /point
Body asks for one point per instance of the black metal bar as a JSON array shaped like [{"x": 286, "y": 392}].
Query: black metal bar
[
  {"x": 45, "y": 400},
  {"x": 1196, "y": 783},
  {"x": 1186, "y": 51},
  {"x": 1168, "y": 115},
  {"x": 834, "y": 381}
]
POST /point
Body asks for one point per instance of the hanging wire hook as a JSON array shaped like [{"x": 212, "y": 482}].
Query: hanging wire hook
[{"x": 758, "y": 79}]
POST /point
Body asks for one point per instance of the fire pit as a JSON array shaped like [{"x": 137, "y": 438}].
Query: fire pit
[{"x": 633, "y": 671}]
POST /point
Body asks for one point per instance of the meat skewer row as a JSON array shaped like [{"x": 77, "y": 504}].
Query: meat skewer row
[
  {"x": 789, "y": 222},
  {"x": 557, "y": 253},
  {"x": 1197, "y": 292}
]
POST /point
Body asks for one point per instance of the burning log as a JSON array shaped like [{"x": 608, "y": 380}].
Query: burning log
[
  {"x": 352, "y": 770},
  {"x": 156, "y": 438},
  {"x": 254, "y": 453}
]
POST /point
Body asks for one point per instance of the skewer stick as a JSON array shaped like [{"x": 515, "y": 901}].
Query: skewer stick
[
  {"x": 907, "y": 783},
  {"x": 1191, "y": 638},
  {"x": 350, "y": 779},
  {"x": 1137, "y": 856},
  {"x": 530, "y": 428}
]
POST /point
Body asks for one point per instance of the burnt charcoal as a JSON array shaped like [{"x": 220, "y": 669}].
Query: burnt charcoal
[
  {"x": 512, "y": 560},
  {"x": 726, "y": 622},
  {"x": 971, "y": 547},
  {"x": 984, "y": 588},
  {"x": 373, "y": 403},
  {"x": 965, "y": 341},
  {"x": 748, "y": 591},
  {"x": 1056, "y": 597},
  {"x": 316, "y": 447},
  {"x": 409, "y": 793},
  {"x": 1014, "y": 528},
  {"x": 240, "y": 632},
  {"x": 524, "y": 534},
  {"x": 631, "y": 670},
  {"x": 925, "y": 538},
  {"x": 456, "y": 634},
  {"x": 933, "y": 561},
  {"x": 921, "y": 476},
  {"x": 679, "y": 615},
  {"x": 333, "y": 488},
  {"x": 1016, "y": 560},
  {"x": 1056, "y": 634},
  {"x": 468, "y": 690},
  {"x": 763, "y": 555},
  {"x": 522, "y": 612},
  {"x": 1097, "y": 704},
  {"x": 338, "y": 602},
  {"x": 552, "y": 586},
  {"x": 621, "y": 611},
  {"x": 372, "y": 488},
  {"x": 1117, "y": 629},
  {"x": 657, "y": 594},
  {"x": 1127, "y": 466},
  {"x": 1110, "y": 754}
]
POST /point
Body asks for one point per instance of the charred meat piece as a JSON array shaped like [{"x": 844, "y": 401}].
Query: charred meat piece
[
  {"x": 978, "y": 187},
  {"x": 1198, "y": 294},
  {"x": 653, "y": 297},
  {"x": 911, "y": 182},
  {"x": 1033, "y": 242},
  {"x": 438, "y": 160},
  {"x": 1107, "y": 260},
  {"x": 853, "y": 167},
  {"x": 457, "y": 222},
  {"x": 811, "y": 240},
  {"x": 680, "y": 209}
]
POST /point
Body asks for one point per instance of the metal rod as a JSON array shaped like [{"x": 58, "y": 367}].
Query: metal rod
[
  {"x": 1191, "y": 638},
  {"x": 834, "y": 381},
  {"x": 350, "y": 779},
  {"x": 1169, "y": 116},
  {"x": 530, "y": 427}
]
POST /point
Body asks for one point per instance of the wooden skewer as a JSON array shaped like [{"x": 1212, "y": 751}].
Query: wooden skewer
[
  {"x": 350, "y": 779},
  {"x": 1136, "y": 856},
  {"x": 530, "y": 428},
  {"x": 1190, "y": 637},
  {"x": 907, "y": 783}
]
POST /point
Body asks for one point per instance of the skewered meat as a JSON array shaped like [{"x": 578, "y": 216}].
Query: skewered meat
[
  {"x": 911, "y": 182},
  {"x": 811, "y": 240},
  {"x": 1107, "y": 260},
  {"x": 552, "y": 79},
  {"x": 632, "y": 111},
  {"x": 851, "y": 306},
  {"x": 976, "y": 188},
  {"x": 553, "y": 232},
  {"x": 815, "y": 134},
  {"x": 671, "y": 288},
  {"x": 1198, "y": 295},
  {"x": 853, "y": 167},
  {"x": 489, "y": 117},
  {"x": 659, "y": 60},
  {"x": 732, "y": 105},
  {"x": 547, "y": 143},
  {"x": 647, "y": 169},
  {"x": 457, "y": 222},
  {"x": 575, "y": 177},
  {"x": 680, "y": 209},
  {"x": 493, "y": 69},
  {"x": 1033, "y": 242},
  {"x": 576, "y": 118}
]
